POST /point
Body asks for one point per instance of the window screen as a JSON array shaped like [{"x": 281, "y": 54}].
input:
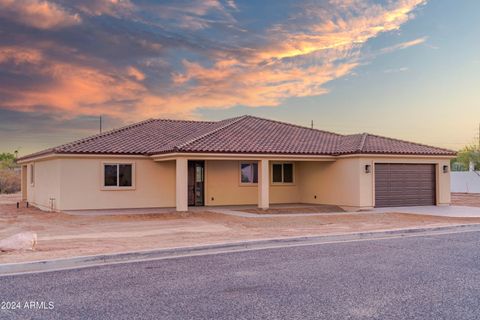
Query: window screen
[
  {"x": 118, "y": 175},
  {"x": 282, "y": 173},
  {"x": 287, "y": 173},
  {"x": 110, "y": 175},
  {"x": 277, "y": 172},
  {"x": 125, "y": 175}
]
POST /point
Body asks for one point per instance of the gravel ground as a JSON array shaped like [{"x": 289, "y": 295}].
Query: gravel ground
[{"x": 431, "y": 277}]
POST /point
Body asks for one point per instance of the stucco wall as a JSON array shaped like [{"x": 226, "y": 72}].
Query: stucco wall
[
  {"x": 222, "y": 183},
  {"x": 46, "y": 184},
  {"x": 345, "y": 183},
  {"x": 76, "y": 183},
  {"x": 443, "y": 179},
  {"x": 335, "y": 182},
  {"x": 81, "y": 185}
]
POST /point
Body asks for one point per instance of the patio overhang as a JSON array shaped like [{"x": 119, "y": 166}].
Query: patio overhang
[{"x": 242, "y": 156}]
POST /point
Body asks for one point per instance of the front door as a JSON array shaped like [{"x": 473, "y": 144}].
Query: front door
[{"x": 196, "y": 186}]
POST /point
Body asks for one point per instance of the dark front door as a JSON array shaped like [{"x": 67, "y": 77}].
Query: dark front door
[
  {"x": 196, "y": 186},
  {"x": 398, "y": 185}
]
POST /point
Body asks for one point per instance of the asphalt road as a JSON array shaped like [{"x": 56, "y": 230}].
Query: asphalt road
[{"x": 428, "y": 277}]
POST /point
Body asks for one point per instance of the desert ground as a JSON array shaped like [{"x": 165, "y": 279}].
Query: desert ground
[{"x": 63, "y": 235}]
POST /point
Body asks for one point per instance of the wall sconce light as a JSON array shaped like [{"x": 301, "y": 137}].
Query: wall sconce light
[
  {"x": 367, "y": 168},
  {"x": 445, "y": 169}
]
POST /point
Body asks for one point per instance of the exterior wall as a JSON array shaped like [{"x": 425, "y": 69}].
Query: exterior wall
[
  {"x": 335, "y": 183},
  {"x": 75, "y": 183},
  {"x": 345, "y": 183},
  {"x": 222, "y": 183},
  {"x": 81, "y": 185},
  {"x": 443, "y": 179},
  {"x": 46, "y": 184}
]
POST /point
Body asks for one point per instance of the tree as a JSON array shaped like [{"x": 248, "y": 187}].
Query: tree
[
  {"x": 8, "y": 160},
  {"x": 465, "y": 156},
  {"x": 9, "y": 173}
]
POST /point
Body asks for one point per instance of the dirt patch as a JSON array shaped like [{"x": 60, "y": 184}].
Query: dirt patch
[
  {"x": 61, "y": 235},
  {"x": 10, "y": 198},
  {"x": 309, "y": 209},
  {"x": 466, "y": 199}
]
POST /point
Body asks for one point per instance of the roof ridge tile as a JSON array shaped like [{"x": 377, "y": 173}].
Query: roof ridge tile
[
  {"x": 295, "y": 125},
  {"x": 362, "y": 143},
  {"x": 206, "y": 134}
]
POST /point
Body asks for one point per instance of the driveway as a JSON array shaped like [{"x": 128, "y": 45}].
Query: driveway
[
  {"x": 441, "y": 211},
  {"x": 431, "y": 277}
]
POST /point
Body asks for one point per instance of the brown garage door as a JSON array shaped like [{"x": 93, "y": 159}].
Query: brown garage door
[{"x": 399, "y": 185}]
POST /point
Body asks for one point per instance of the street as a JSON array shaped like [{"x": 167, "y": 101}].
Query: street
[{"x": 427, "y": 277}]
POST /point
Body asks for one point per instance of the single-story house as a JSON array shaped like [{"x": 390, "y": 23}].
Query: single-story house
[{"x": 239, "y": 161}]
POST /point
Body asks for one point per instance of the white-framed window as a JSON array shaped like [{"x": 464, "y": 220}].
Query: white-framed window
[
  {"x": 118, "y": 175},
  {"x": 282, "y": 172},
  {"x": 32, "y": 174},
  {"x": 248, "y": 172}
]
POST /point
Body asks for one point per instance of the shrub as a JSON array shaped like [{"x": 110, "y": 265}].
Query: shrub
[{"x": 9, "y": 181}]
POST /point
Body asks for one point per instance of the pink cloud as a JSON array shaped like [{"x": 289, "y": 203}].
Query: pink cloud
[
  {"x": 37, "y": 13},
  {"x": 296, "y": 59}
]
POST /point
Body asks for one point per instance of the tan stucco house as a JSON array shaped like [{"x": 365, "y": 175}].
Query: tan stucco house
[{"x": 239, "y": 161}]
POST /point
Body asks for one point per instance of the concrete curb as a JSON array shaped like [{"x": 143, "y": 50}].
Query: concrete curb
[{"x": 106, "y": 259}]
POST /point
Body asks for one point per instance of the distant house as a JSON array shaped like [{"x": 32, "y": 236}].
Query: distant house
[{"x": 237, "y": 161}]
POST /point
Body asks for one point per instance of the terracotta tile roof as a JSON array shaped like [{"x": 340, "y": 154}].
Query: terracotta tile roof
[
  {"x": 246, "y": 134},
  {"x": 256, "y": 135}
]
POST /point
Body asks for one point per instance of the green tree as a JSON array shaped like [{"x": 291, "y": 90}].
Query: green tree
[
  {"x": 9, "y": 173},
  {"x": 464, "y": 157},
  {"x": 8, "y": 160}
]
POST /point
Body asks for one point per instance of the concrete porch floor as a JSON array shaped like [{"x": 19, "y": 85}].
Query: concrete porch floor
[{"x": 236, "y": 210}]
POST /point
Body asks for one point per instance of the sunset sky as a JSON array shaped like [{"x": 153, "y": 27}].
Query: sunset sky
[{"x": 408, "y": 69}]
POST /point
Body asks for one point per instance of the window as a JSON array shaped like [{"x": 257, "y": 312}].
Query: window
[
  {"x": 118, "y": 175},
  {"x": 249, "y": 172},
  {"x": 32, "y": 174},
  {"x": 282, "y": 173}
]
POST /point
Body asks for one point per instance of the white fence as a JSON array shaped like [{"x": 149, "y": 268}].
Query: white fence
[{"x": 465, "y": 181}]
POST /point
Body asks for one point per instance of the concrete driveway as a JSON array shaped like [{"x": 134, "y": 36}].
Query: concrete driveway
[{"x": 442, "y": 211}]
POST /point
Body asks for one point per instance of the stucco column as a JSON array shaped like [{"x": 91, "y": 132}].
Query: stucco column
[
  {"x": 181, "y": 184},
  {"x": 263, "y": 184}
]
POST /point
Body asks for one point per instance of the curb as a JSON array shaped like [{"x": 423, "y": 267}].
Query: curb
[{"x": 137, "y": 256}]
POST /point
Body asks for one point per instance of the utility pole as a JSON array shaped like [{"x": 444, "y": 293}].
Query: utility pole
[
  {"x": 100, "y": 124},
  {"x": 478, "y": 147},
  {"x": 312, "y": 125}
]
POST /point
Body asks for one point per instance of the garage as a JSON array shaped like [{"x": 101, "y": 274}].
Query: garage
[{"x": 400, "y": 184}]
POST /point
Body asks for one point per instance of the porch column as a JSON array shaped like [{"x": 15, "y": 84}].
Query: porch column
[
  {"x": 263, "y": 184},
  {"x": 181, "y": 184}
]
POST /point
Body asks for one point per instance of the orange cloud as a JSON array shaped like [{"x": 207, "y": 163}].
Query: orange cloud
[
  {"x": 296, "y": 59},
  {"x": 38, "y": 14},
  {"x": 293, "y": 63}
]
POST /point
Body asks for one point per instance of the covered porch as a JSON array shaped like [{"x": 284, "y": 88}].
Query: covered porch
[{"x": 203, "y": 180}]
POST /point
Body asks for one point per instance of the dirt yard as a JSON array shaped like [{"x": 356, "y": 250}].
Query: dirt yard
[
  {"x": 308, "y": 209},
  {"x": 466, "y": 199},
  {"x": 62, "y": 235}
]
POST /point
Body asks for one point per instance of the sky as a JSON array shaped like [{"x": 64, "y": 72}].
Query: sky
[{"x": 407, "y": 69}]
